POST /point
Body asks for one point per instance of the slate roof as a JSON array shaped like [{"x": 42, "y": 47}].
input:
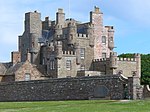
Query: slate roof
[
  {"x": 42, "y": 69},
  {"x": 4, "y": 67},
  {"x": 13, "y": 69}
]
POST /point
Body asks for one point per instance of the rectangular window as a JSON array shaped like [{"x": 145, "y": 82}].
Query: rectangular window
[
  {"x": 82, "y": 53},
  {"x": 43, "y": 61},
  {"x": 27, "y": 76},
  {"x": 52, "y": 65},
  {"x": 104, "y": 39},
  {"x": 103, "y": 55},
  {"x": 68, "y": 64}
]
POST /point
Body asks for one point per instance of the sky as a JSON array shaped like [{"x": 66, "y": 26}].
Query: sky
[{"x": 130, "y": 18}]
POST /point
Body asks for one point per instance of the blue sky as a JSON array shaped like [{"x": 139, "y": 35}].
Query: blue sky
[{"x": 131, "y": 19}]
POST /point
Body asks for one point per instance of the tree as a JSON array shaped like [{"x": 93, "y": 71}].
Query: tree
[{"x": 145, "y": 66}]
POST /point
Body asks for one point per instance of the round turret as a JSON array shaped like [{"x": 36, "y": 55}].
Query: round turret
[
  {"x": 111, "y": 37},
  {"x": 34, "y": 48},
  {"x": 90, "y": 30},
  {"x": 58, "y": 32},
  {"x": 58, "y": 49},
  {"x": 113, "y": 60},
  {"x": 72, "y": 31}
]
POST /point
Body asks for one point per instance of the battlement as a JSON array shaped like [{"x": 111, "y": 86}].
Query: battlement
[
  {"x": 118, "y": 59},
  {"x": 80, "y": 35},
  {"x": 68, "y": 53},
  {"x": 137, "y": 55},
  {"x": 101, "y": 60},
  {"x": 126, "y": 59}
]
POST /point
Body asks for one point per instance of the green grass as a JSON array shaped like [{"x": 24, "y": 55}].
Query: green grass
[{"x": 77, "y": 106}]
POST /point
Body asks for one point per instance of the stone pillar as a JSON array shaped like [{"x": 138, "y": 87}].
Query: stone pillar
[
  {"x": 78, "y": 57},
  {"x": 58, "y": 49},
  {"x": 15, "y": 57},
  {"x": 138, "y": 64},
  {"x": 134, "y": 88},
  {"x": 113, "y": 62},
  {"x": 90, "y": 30},
  {"x": 72, "y": 31}
]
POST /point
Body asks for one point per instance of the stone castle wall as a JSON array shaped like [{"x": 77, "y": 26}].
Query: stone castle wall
[
  {"x": 146, "y": 92},
  {"x": 110, "y": 87},
  {"x": 127, "y": 67}
]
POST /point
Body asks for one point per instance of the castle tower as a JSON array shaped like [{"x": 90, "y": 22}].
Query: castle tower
[
  {"x": 113, "y": 62},
  {"x": 138, "y": 64},
  {"x": 72, "y": 31},
  {"x": 90, "y": 31},
  {"x": 33, "y": 23},
  {"x": 33, "y": 47},
  {"x": 58, "y": 49},
  {"x": 60, "y": 17},
  {"x": 96, "y": 18},
  {"x": 110, "y": 37},
  {"x": 15, "y": 57},
  {"x": 58, "y": 32},
  {"x": 29, "y": 39},
  {"x": 60, "y": 21},
  {"x": 46, "y": 24}
]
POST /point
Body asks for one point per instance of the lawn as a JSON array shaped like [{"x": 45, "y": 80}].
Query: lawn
[{"x": 77, "y": 106}]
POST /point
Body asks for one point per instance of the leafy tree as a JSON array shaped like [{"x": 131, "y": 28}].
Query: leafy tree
[{"x": 145, "y": 66}]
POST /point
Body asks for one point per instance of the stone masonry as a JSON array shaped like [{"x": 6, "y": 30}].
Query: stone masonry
[
  {"x": 105, "y": 87},
  {"x": 70, "y": 60}
]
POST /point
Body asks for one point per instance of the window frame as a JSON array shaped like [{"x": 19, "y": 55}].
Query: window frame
[
  {"x": 82, "y": 53},
  {"x": 27, "y": 77},
  {"x": 68, "y": 64},
  {"x": 103, "y": 39},
  {"x": 104, "y": 55},
  {"x": 52, "y": 65}
]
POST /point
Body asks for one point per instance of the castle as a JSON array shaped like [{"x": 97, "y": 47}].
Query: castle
[{"x": 67, "y": 48}]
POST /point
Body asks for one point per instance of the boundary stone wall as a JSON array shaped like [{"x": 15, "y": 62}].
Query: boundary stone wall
[{"x": 110, "y": 87}]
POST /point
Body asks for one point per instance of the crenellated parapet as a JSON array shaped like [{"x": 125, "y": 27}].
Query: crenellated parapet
[
  {"x": 68, "y": 53},
  {"x": 101, "y": 60},
  {"x": 80, "y": 35},
  {"x": 126, "y": 59}
]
